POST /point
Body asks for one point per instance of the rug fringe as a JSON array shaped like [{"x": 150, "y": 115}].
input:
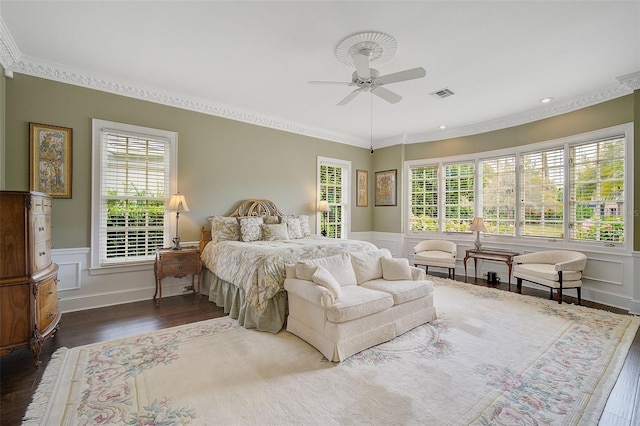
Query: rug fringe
[{"x": 40, "y": 399}]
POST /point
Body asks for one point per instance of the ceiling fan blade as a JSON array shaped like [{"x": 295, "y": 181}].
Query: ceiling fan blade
[
  {"x": 387, "y": 95},
  {"x": 332, "y": 83},
  {"x": 362, "y": 65},
  {"x": 349, "y": 97},
  {"x": 402, "y": 76}
]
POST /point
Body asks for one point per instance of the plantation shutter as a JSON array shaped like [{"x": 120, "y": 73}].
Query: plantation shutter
[
  {"x": 499, "y": 195},
  {"x": 424, "y": 198},
  {"x": 331, "y": 189},
  {"x": 542, "y": 194},
  {"x": 134, "y": 183},
  {"x": 597, "y": 190},
  {"x": 459, "y": 190}
]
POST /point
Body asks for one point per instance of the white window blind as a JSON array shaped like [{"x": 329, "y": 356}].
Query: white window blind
[
  {"x": 333, "y": 181},
  {"x": 597, "y": 191},
  {"x": 459, "y": 196},
  {"x": 134, "y": 183},
  {"x": 499, "y": 194},
  {"x": 424, "y": 198},
  {"x": 542, "y": 193}
]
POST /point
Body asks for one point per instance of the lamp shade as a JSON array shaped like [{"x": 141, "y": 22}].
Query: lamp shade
[
  {"x": 178, "y": 203},
  {"x": 478, "y": 225},
  {"x": 323, "y": 206}
]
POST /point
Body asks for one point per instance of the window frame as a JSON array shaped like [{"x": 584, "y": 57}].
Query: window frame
[
  {"x": 346, "y": 192},
  {"x": 96, "y": 194},
  {"x": 565, "y": 143}
]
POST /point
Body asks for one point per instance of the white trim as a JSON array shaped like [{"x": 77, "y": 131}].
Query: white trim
[{"x": 96, "y": 162}]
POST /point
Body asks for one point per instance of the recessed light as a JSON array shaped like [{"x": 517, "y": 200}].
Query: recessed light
[
  {"x": 546, "y": 100},
  {"x": 443, "y": 127}
]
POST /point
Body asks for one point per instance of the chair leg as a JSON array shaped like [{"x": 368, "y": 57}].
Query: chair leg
[
  {"x": 579, "y": 295},
  {"x": 560, "y": 288},
  {"x": 551, "y": 293},
  {"x": 519, "y": 285},
  {"x": 453, "y": 273}
]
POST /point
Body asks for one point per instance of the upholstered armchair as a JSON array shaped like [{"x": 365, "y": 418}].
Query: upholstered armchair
[
  {"x": 436, "y": 253},
  {"x": 556, "y": 269}
]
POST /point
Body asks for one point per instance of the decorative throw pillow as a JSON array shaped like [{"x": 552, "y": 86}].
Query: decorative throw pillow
[
  {"x": 339, "y": 265},
  {"x": 395, "y": 269},
  {"x": 269, "y": 220},
  {"x": 251, "y": 228},
  {"x": 304, "y": 226},
  {"x": 224, "y": 228},
  {"x": 293, "y": 226},
  {"x": 324, "y": 278},
  {"x": 366, "y": 264},
  {"x": 275, "y": 232}
]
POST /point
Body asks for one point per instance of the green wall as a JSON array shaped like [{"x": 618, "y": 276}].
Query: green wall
[{"x": 220, "y": 161}]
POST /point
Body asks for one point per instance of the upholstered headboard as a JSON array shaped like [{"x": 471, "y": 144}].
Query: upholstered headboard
[{"x": 250, "y": 207}]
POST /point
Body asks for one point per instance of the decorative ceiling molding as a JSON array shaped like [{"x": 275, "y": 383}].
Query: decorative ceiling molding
[
  {"x": 13, "y": 61},
  {"x": 604, "y": 94},
  {"x": 9, "y": 52}
]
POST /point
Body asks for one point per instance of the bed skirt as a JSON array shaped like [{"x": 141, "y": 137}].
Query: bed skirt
[{"x": 231, "y": 298}]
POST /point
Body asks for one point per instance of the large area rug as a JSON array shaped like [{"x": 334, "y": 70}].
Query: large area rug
[{"x": 491, "y": 357}]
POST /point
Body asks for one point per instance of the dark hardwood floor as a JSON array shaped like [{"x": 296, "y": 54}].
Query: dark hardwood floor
[{"x": 20, "y": 379}]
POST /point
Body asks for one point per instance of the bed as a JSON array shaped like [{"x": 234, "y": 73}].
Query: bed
[{"x": 244, "y": 273}]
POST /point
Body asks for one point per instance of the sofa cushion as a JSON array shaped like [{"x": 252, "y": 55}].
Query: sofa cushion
[
  {"x": 401, "y": 291},
  {"x": 435, "y": 258},
  {"x": 338, "y": 265},
  {"x": 395, "y": 269},
  {"x": 366, "y": 264},
  {"x": 324, "y": 278},
  {"x": 356, "y": 302}
]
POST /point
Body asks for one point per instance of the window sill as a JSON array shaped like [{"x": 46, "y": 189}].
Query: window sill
[{"x": 122, "y": 269}]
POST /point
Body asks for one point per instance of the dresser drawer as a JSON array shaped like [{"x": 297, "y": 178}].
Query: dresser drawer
[
  {"x": 40, "y": 227},
  {"x": 41, "y": 256},
  {"x": 46, "y": 315},
  {"x": 47, "y": 302},
  {"x": 180, "y": 264}
]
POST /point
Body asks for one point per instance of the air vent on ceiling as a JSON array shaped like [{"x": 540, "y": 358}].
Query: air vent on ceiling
[{"x": 443, "y": 93}]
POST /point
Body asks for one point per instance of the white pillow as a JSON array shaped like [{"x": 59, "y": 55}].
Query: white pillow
[
  {"x": 324, "y": 278},
  {"x": 366, "y": 264},
  {"x": 395, "y": 269},
  {"x": 338, "y": 265},
  {"x": 274, "y": 232}
]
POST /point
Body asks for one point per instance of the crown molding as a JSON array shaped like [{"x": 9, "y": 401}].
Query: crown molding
[
  {"x": 604, "y": 94},
  {"x": 13, "y": 61}
]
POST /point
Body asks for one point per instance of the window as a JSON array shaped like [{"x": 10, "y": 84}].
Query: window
[
  {"x": 571, "y": 189},
  {"x": 134, "y": 173},
  {"x": 424, "y": 198},
  {"x": 597, "y": 191},
  {"x": 333, "y": 187},
  {"x": 498, "y": 177},
  {"x": 459, "y": 196},
  {"x": 542, "y": 194}
]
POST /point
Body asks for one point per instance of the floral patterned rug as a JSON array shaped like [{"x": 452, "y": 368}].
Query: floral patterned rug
[{"x": 491, "y": 357}]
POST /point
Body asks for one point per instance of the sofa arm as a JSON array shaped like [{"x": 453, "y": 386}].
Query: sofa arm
[
  {"x": 309, "y": 291},
  {"x": 571, "y": 265},
  {"x": 418, "y": 274}
]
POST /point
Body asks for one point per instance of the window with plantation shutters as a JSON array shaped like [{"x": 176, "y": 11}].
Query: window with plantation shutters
[
  {"x": 133, "y": 178},
  {"x": 424, "y": 198},
  {"x": 459, "y": 195},
  {"x": 542, "y": 193},
  {"x": 597, "y": 191},
  {"x": 333, "y": 187},
  {"x": 498, "y": 177}
]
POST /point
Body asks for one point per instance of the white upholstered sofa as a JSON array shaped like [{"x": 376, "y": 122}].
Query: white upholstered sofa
[{"x": 346, "y": 303}]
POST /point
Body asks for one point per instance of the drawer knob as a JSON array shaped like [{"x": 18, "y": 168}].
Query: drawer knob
[
  {"x": 50, "y": 293},
  {"x": 42, "y": 253},
  {"x": 50, "y": 314},
  {"x": 41, "y": 228},
  {"x": 180, "y": 267}
]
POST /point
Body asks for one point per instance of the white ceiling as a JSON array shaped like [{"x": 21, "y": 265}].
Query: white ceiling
[{"x": 252, "y": 60}]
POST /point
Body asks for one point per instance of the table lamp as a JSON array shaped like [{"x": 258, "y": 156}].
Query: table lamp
[
  {"x": 178, "y": 204},
  {"x": 478, "y": 226},
  {"x": 323, "y": 206}
]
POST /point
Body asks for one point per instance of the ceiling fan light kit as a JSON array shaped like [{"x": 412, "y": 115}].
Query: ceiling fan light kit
[{"x": 363, "y": 50}]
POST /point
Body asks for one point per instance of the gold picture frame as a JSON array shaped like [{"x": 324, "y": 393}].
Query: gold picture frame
[
  {"x": 386, "y": 191},
  {"x": 362, "y": 188},
  {"x": 50, "y": 159}
]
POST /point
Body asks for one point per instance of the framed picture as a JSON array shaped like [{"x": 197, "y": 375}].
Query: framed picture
[
  {"x": 50, "y": 159},
  {"x": 362, "y": 188},
  {"x": 386, "y": 188}
]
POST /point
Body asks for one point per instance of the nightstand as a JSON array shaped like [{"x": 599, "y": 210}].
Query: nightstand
[{"x": 177, "y": 264}]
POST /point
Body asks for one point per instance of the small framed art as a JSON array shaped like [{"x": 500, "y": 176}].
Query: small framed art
[
  {"x": 386, "y": 188},
  {"x": 50, "y": 159},
  {"x": 362, "y": 188}
]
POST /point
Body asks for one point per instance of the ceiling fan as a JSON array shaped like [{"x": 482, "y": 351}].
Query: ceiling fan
[{"x": 368, "y": 79}]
